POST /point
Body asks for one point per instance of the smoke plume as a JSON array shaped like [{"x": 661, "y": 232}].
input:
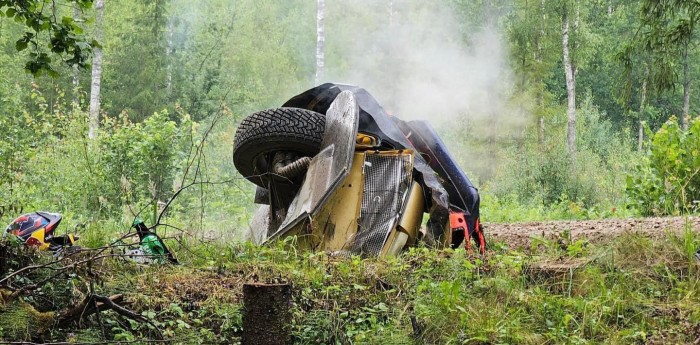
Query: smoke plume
[{"x": 423, "y": 61}]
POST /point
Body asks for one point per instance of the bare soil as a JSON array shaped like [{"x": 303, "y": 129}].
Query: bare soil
[{"x": 521, "y": 234}]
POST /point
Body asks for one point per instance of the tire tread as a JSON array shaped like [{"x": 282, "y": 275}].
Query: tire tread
[{"x": 268, "y": 130}]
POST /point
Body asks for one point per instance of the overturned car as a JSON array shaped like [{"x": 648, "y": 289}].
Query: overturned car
[{"x": 338, "y": 173}]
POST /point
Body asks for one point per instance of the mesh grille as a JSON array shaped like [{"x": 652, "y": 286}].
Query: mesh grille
[{"x": 387, "y": 178}]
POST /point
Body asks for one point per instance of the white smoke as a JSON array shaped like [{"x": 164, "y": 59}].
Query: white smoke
[{"x": 419, "y": 62}]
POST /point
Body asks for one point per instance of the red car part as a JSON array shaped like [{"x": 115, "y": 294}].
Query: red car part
[{"x": 461, "y": 230}]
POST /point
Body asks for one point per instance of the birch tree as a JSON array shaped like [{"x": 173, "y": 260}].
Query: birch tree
[
  {"x": 76, "y": 70},
  {"x": 538, "y": 58},
  {"x": 570, "y": 82},
  {"x": 536, "y": 46},
  {"x": 669, "y": 27},
  {"x": 320, "y": 40},
  {"x": 686, "y": 85},
  {"x": 642, "y": 110},
  {"x": 168, "y": 55},
  {"x": 96, "y": 72}
]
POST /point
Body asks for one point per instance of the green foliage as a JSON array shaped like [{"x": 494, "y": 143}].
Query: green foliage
[
  {"x": 137, "y": 86},
  {"x": 65, "y": 35},
  {"x": 667, "y": 180},
  {"x": 21, "y": 321},
  {"x": 510, "y": 208},
  {"x": 204, "y": 59},
  {"x": 54, "y": 166},
  {"x": 145, "y": 155},
  {"x": 550, "y": 183},
  {"x": 668, "y": 29},
  {"x": 22, "y": 136}
]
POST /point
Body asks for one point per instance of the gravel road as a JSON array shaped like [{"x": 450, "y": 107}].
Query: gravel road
[{"x": 520, "y": 234}]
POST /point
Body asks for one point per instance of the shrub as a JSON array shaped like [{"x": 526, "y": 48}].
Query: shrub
[
  {"x": 667, "y": 180},
  {"x": 587, "y": 184},
  {"x": 144, "y": 154},
  {"x": 22, "y": 135}
]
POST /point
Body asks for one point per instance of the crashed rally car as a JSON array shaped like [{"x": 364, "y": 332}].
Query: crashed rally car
[{"x": 333, "y": 169}]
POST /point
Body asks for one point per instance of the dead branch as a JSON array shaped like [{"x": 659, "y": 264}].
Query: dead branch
[
  {"x": 198, "y": 153},
  {"x": 97, "y": 255},
  {"x": 94, "y": 304},
  {"x": 86, "y": 308}
]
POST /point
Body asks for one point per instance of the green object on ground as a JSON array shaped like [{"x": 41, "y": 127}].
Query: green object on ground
[{"x": 153, "y": 248}]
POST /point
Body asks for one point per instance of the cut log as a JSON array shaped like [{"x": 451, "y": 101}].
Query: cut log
[{"x": 267, "y": 317}]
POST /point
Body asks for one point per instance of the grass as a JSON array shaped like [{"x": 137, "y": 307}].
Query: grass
[
  {"x": 630, "y": 290},
  {"x": 509, "y": 209}
]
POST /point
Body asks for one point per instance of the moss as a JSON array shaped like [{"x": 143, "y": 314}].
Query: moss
[{"x": 19, "y": 321}]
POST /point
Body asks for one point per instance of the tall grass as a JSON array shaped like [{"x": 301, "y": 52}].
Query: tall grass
[{"x": 630, "y": 290}]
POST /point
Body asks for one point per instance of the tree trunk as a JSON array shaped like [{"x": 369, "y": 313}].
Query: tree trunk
[
  {"x": 76, "y": 86},
  {"x": 168, "y": 55},
  {"x": 540, "y": 91},
  {"x": 96, "y": 73},
  {"x": 267, "y": 316},
  {"x": 575, "y": 44},
  {"x": 542, "y": 32},
  {"x": 686, "y": 90},
  {"x": 570, "y": 85},
  {"x": 320, "y": 40},
  {"x": 642, "y": 107},
  {"x": 76, "y": 72},
  {"x": 391, "y": 12}
]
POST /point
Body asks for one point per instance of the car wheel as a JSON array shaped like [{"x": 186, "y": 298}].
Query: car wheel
[{"x": 262, "y": 134}]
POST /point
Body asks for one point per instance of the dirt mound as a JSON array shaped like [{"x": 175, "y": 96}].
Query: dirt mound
[{"x": 520, "y": 234}]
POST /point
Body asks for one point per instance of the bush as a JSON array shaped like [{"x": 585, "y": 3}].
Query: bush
[
  {"x": 128, "y": 163},
  {"x": 545, "y": 176},
  {"x": 143, "y": 155},
  {"x": 667, "y": 180},
  {"x": 22, "y": 135},
  {"x": 51, "y": 165}
]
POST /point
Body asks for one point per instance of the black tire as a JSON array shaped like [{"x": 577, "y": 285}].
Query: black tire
[{"x": 279, "y": 129}]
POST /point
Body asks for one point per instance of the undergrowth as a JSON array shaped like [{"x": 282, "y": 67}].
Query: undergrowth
[{"x": 630, "y": 290}]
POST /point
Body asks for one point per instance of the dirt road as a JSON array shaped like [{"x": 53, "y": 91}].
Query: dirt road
[{"x": 520, "y": 234}]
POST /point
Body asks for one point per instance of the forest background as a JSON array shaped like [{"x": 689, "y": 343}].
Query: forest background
[{"x": 557, "y": 109}]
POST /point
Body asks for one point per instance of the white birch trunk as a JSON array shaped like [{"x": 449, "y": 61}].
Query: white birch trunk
[
  {"x": 76, "y": 72},
  {"x": 542, "y": 25},
  {"x": 391, "y": 12},
  {"x": 76, "y": 86},
  {"x": 538, "y": 58},
  {"x": 570, "y": 85},
  {"x": 96, "y": 73},
  {"x": 320, "y": 40},
  {"x": 575, "y": 44},
  {"x": 168, "y": 53},
  {"x": 642, "y": 106},
  {"x": 686, "y": 91}
]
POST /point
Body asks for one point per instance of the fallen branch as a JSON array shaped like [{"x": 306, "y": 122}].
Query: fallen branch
[
  {"x": 86, "y": 308},
  {"x": 95, "y": 304}
]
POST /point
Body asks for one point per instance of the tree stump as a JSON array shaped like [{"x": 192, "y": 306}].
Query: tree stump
[
  {"x": 4, "y": 259},
  {"x": 266, "y": 315}
]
